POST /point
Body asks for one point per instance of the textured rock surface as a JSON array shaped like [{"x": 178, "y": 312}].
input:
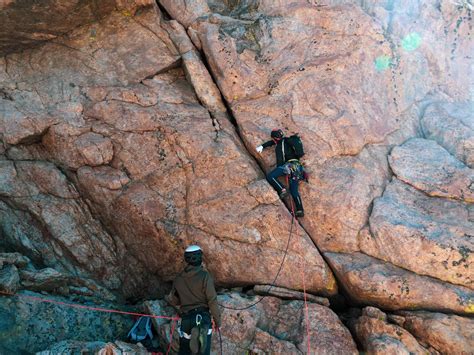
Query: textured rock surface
[
  {"x": 57, "y": 222},
  {"x": 448, "y": 334},
  {"x": 9, "y": 279},
  {"x": 118, "y": 150},
  {"x": 13, "y": 258},
  {"x": 20, "y": 317},
  {"x": 284, "y": 293},
  {"x": 377, "y": 336},
  {"x": 147, "y": 159},
  {"x": 370, "y": 281},
  {"x": 272, "y": 320},
  {"x": 430, "y": 168},
  {"x": 97, "y": 347},
  {"x": 430, "y": 236},
  {"x": 272, "y": 324},
  {"x": 452, "y": 126},
  {"x": 311, "y": 69}
]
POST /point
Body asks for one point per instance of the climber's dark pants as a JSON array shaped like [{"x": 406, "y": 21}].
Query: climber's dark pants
[
  {"x": 293, "y": 181},
  {"x": 188, "y": 321}
]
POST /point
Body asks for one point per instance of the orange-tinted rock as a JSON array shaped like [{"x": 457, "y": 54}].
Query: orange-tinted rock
[
  {"x": 43, "y": 193},
  {"x": 377, "y": 336},
  {"x": 430, "y": 168},
  {"x": 95, "y": 149},
  {"x": 283, "y": 293},
  {"x": 448, "y": 334},
  {"x": 452, "y": 126},
  {"x": 428, "y": 235},
  {"x": 186, "y": 11},
  {"x": 152, "y": 164},
  {"x": 369, "y": 281},
  {"x": 272, "y": 325}
]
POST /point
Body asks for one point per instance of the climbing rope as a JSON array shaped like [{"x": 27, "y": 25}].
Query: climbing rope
[
  {"x": 96, "y": 309},
  {"x": 303, "y": 274},
  {"x": 276, "y": 277}
]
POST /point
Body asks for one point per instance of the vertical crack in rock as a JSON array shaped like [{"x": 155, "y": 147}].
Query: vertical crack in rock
[{"x": 201, "y": 77}]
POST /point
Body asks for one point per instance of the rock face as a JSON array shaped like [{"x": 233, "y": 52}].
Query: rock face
[
  {"x": 128, "y": 131},
  {"x": 273, "y": 324},
  {"x": 138, "y": 151},
  {"x": 452, "y": 126},
  {"x": 97, "y": 347},
  {"x": 428, "y": 167},
  {"x": 51, "y": 323},
  {"x": 379, "y": 337},
  {"x": 446, "y": 333},
  {"x": 427, "y": 235},
  {"x": 371, "y": 281}
]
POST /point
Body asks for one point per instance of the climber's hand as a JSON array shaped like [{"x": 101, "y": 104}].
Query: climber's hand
[{"x": 259, "y": 149}]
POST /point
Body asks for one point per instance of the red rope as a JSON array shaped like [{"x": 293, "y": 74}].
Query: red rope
[
  {"x": 80, "y": 306},
  {"x": 173, "y": 326},
  {"x": 306, "y": 310},
  {"x": 304, "y": 285}
]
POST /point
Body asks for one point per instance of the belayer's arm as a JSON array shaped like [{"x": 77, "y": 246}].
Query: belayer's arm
[{"x": 173, "y": 298}]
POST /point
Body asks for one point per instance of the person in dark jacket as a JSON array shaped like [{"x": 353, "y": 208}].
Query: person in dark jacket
[
  {"x": 287, "y": 164},
  {"x": 194, "y": 293}
]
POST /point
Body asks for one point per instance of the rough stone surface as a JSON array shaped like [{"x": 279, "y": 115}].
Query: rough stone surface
[
  {"x": 430, "y": 168},
  {"x": 341, "y": 75},
  {"x": 272, "y": 324},
  {"x": 117, "y": 149},
  {"x": 452, "y": 126},
  {"x": 185, "y": 11},
  {"x": 50, "y": 323},
  {"x": 9, "y": 279},
  {"x": 284, "y": 293},
  {"x": 379, "y": 337},
  {"x": 43, "y": 280},
  {"x": 43, "y": 193},
  {"x": 17, "y": 259},
  {"x": 146, "y": 160},
  {"x": 370, "y": 281},
  {"x": 448, "y": 334},
  {"x": 96, "y": 347},
  {"x": 430, "y": 236}
]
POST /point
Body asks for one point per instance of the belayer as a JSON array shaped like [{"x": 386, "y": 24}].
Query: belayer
[
  {"x": 288, "y": 152},
  {"x": 194, "y": 292}
]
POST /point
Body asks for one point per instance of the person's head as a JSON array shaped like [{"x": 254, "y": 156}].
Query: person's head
[
  {"x": 193, "y": 255},
  {"x": 277, "y": 134}
]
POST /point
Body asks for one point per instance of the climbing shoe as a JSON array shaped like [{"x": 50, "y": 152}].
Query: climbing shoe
[
  {"x": 283, "y": 193},
  {"x": 299, "y": 213}
]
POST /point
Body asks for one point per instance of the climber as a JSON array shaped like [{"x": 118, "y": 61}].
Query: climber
[
  {"x": 288, "y": 152},
  {"x": 193, "y": 292}
]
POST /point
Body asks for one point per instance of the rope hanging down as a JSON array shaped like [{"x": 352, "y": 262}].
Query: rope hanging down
[{"x": 276, "y": 277}]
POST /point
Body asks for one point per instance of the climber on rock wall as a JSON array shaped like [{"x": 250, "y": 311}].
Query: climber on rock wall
[
  {"x": 194, "y": 294},
  {"x": 288, "y": 152}
]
